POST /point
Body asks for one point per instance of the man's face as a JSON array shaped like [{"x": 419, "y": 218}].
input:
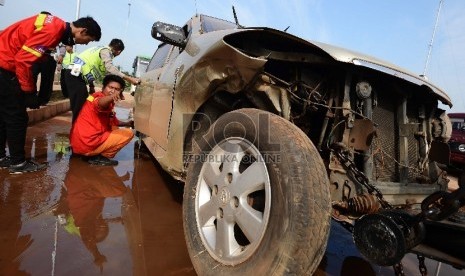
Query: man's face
[
  {"x": 112, "y": 88},
  {"x": 116, "y": 53},
  {"x": 81, "y": 37}
]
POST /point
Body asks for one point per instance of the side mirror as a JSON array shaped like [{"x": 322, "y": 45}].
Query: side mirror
[{"x": 170, "y": 34}]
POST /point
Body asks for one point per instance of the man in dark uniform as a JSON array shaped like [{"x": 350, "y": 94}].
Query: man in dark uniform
[{"x": 46, "y": 69}]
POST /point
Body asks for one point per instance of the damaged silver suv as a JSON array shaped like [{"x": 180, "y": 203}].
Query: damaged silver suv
[{"x": 274, "y": 135}]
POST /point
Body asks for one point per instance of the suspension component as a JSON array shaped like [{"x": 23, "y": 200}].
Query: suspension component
[
  {"x": 342, "y": 153},
  {"x": 384, "y": 238},
  {"x": 359, "y": 205}
]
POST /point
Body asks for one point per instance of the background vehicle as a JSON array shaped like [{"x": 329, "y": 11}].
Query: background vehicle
[
  {"x": 457, "y": 144},
  {"x": 457, "y": 140},
  {"x": 273, "y": 135},
  {"x": 139, "y": 66}
]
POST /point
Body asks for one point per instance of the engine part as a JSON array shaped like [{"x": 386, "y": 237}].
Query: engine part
[
  {"x": 358, "y": 205},
  {"x": 363, "y": 90},
  {"x": 384, "y": 238},
  {"x": 362, "y": 134}
]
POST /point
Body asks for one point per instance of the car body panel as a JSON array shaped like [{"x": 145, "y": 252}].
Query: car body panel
[
  {"x": 359, "y": 59},
  {"x": 218, "y": 61},
  {"x": 201, "y": 67}
]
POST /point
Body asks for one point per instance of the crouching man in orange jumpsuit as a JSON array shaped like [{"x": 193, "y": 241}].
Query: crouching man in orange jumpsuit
[{"x": 95, "y": 133}]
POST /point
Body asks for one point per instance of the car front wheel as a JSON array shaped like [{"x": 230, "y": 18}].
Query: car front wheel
[{"x": 256, "y": 199}]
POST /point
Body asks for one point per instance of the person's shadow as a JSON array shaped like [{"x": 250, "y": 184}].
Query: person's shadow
[{"x": 82, "y": 200}]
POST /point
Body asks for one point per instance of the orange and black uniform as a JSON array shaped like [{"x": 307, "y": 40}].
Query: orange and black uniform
[
  {"x": 93, "y": 126},
  {"x": 96, "y": 131},
  {"x": 25, "y": 42},
  {"x": 21, "y": 45}
]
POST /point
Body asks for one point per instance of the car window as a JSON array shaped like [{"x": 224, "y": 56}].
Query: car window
[
  {"x": 188, "y": 28},
  {"x": 458, "y": 125},
  {"x": 159, "y": 57},
  {"x": 210, "y": 24},
  {"x": 143, "y": 67}
]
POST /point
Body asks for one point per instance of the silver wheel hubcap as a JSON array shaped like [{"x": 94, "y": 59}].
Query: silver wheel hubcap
[{"x": 233, "y": 201}]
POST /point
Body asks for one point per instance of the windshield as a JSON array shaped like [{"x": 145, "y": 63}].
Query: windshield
[
  {"x": 457, "y": 120},
  {"x": 458, "y": 125},
  {"x": 210, "y": 24}
]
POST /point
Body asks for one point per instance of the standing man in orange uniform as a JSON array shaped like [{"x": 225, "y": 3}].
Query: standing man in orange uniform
[{"x": 21, "y": 45}]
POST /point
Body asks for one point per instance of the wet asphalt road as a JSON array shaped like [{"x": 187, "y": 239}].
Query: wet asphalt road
[{"x": 77, "y": 219}]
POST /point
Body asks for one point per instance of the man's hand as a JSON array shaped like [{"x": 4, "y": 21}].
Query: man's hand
[
  {"x": 60, "y": 59},
  {"x": 121, "y": 95},
  {"x": 133, "y": 80},
  {"x": 116, "y": 97}
]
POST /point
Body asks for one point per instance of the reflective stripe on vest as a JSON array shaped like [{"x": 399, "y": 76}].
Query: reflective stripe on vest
[
  {"x": 32, "y": 51},
  {"x": 39, "y": 23},
  {"x": 68, "y": 59},
  {"x": 90, "y": 98}
]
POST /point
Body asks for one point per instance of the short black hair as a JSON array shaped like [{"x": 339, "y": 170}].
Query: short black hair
[
  {"x": 117, "y": 44},
  {"x": 93, "y": 28},
  {"x": 109, "y": 78}
]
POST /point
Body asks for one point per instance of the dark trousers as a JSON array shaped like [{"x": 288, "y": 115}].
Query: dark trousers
[
  {"x": 77, "y": 91},
  {"x": 13, "y": 117},
  {"x": 64, "y": 89},
  {"x": 46, "y": 68}
]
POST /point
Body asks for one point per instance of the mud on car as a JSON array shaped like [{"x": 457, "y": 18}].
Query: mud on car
[{"x": 274, "y": 135}]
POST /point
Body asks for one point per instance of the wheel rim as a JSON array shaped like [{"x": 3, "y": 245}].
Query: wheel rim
[{"x": 233, "y": 201}]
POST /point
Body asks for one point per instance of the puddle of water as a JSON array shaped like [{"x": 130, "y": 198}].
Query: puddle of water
[{"x": 74, "y": 219}]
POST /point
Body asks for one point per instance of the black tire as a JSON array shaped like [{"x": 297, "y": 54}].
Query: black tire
[{"x": 290, "y": 231}]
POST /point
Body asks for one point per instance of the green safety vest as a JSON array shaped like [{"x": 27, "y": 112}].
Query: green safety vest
[
  {"x": 68, "y": 59},
  {"x": 93, "y": 63}
]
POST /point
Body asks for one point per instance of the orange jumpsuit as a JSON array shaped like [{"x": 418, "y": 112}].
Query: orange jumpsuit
[{"x": 95, "y": 130}]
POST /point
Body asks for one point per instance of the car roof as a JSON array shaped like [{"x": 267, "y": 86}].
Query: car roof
[{"x": 348, "y": 56}]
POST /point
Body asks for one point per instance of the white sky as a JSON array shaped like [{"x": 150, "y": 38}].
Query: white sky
[{"x": 398, "y": 31}]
